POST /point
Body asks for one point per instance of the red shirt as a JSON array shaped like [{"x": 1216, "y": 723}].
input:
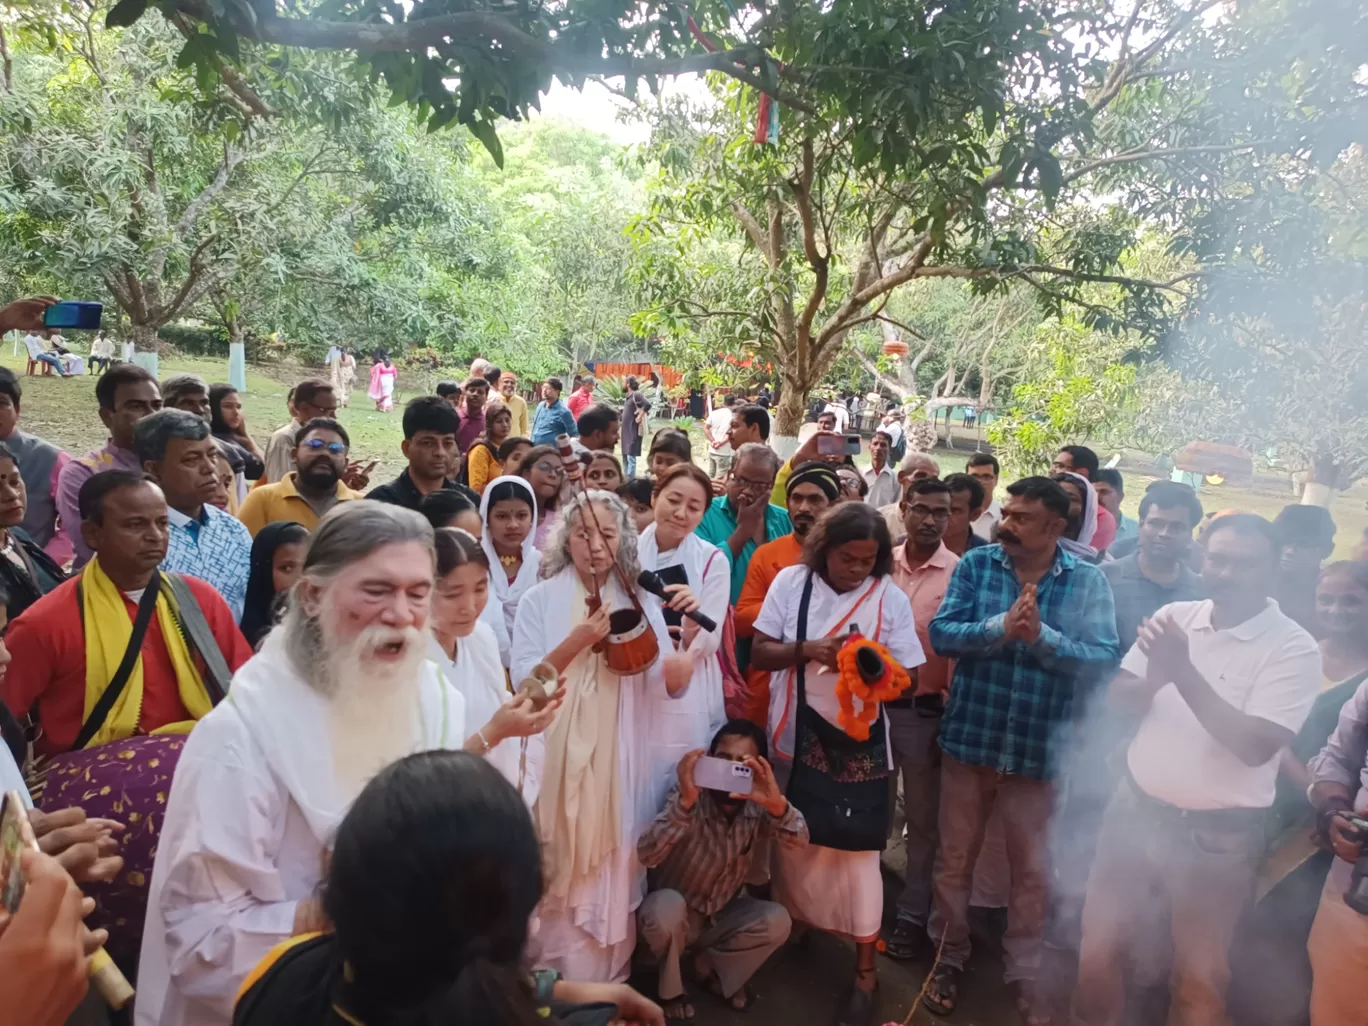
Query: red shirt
[
  {"x": 47, "y": 646},
  {"x": 579, "y": 400}
]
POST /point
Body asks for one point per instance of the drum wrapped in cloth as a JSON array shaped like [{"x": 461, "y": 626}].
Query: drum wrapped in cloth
[{"x": 128, "y": 781}]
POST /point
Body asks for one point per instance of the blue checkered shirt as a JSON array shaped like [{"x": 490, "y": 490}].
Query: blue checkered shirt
[
  {"x": 1009, "y": 700},
  {"x": 216, "y": 548}
]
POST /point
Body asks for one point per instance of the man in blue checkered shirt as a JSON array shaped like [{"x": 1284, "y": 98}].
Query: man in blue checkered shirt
[
  {"x": 1028, "y": 625},
  {"x": 178, "y": 452}
]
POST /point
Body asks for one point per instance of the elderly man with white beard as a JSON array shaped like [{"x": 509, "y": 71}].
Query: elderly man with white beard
[{"x": 341, "y": 688}]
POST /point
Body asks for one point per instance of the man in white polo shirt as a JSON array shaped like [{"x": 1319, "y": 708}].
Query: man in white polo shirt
[{"x": 1224, "y": 684}]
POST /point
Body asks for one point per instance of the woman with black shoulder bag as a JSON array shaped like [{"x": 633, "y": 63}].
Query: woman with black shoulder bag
[{"x": 827, "y": 729}]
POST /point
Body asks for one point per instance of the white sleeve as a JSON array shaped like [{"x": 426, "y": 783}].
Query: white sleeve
[
  {"x": 713, "y": 602},
  {"x": 1135, "y": 662},
  {"x": 223, "y": 901},
  {"x": 529, "y": 639},
  {"x": 1288, "y": 684},
  {"x": 900, "y": 629},
  {"x": 493, "y": 616},
  {"x": 773, "y": 618}
]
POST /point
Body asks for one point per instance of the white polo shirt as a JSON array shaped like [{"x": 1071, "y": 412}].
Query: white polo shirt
[{"x": 1267, "y": 667}]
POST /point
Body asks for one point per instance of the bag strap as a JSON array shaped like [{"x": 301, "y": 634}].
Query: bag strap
[
  {"x": 198, "y": 635},
  {"x": 111, "y": 694},
  {"x": 801, "y": 671}
]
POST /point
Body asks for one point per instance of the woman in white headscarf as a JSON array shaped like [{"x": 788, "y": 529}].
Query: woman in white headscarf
[
  {"x": 508, "y": 509},
  {"x": 1078, "y": 535},
  {"x": 597, "y": 791},
  {"x": 670, "y": 548}
]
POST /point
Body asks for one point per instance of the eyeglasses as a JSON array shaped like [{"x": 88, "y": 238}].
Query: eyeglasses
[
  {"x": 334, "y": 448},
  {"x": 547, "y": 467},
  {"x": 748, "y": 485}
]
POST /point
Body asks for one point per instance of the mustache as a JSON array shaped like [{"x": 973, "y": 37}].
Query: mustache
[{"x": 1008, "y": 536}]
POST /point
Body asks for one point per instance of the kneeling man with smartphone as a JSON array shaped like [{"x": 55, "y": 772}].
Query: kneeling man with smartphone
[{"x": 724, "y": 810}]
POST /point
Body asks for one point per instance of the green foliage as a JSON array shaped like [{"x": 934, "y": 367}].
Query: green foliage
[{"x": 1069, "y": 393}]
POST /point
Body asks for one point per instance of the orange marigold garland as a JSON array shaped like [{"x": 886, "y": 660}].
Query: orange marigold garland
[{"x": 851, "y": 684}]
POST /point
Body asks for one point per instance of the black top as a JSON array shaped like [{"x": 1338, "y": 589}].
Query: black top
[
  {"x": 25, "y": 587},
  {"x": 240, "y": 458},
  {"x": 631, "y": 430},
  {"x": 403, "y": 492}
]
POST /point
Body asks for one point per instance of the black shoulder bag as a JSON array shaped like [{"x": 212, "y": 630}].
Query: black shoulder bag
[{"x": 839, "y": 784}]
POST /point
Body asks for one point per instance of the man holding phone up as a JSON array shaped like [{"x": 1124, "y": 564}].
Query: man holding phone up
[{"x": 699, "y": 850}]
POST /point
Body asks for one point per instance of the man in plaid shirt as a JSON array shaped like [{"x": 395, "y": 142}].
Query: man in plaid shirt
[{"x": 1027, "y": 624}]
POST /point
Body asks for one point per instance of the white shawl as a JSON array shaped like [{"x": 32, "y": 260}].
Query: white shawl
[
  {"x": 507, "y": 593},
  {"x": 1083, "y": 546}
]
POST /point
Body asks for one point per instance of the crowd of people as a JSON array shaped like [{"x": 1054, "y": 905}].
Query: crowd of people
[{"x": 481, "y": 740}]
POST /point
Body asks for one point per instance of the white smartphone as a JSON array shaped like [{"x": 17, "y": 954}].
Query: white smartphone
[{"x": 723, "y": 775}]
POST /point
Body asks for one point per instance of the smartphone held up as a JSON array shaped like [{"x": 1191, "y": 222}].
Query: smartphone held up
[
  {"x": 838, "y": 445},
  {"x": 73, "y": 314},
  {"x": 714, "y": 774}
]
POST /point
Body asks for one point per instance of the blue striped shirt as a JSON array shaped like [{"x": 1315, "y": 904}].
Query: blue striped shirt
[
  {"x": 551, "y": 420},
  {"x": 1009, "y": 700},
  {"x": 216, "y": 548}
]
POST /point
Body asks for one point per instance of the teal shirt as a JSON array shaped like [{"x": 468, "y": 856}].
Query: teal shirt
[{"x": 720, "y": 521}]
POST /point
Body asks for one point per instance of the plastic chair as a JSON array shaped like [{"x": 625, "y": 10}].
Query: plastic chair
[{"x": 47, "y": 367}]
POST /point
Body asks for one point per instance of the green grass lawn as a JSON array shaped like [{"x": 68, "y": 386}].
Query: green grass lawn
[{"x": 64, "y": 412}]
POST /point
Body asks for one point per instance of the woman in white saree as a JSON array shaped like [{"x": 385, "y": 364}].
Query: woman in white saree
[
  {"x": 596, "y": 786},
  {"x": 847, "y": 559},
  {"x": 466, "y": 652},
  {"x": 508, "y": 509},
  {"x": 670, "y": 548}
]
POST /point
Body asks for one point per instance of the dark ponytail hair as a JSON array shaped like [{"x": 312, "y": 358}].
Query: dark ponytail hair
[
  {"x": 457, "y": 548},
  {"x": 434, "y": 873}
]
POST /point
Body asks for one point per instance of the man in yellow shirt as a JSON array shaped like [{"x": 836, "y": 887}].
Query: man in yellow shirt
[
  {"x": 517, "y": 405},
  {"x": 314, "y": 487}
]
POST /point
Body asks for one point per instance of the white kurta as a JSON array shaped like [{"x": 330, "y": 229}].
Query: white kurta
[
  {"x": 695, "y": 716},
  {"x": 509, "y": 593},
  {"x": 478, "y": 674},
  {"x": 252, "y": 810},
  {"x": 594, "y": 940},
  {"x": 837, "y": 891}
]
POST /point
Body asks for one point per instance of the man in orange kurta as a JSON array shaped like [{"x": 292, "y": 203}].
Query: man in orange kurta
[{"x": 809, "y": 491}]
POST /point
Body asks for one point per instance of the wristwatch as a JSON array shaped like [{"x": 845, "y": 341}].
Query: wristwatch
[{"x": 543, "y": 982}]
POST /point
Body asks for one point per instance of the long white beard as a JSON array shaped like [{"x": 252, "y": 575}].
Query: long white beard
[{"x": 373, "y": 705}]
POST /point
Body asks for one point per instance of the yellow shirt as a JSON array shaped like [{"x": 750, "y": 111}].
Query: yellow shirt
[
  {"x": 282, "y": 501},
  {"x": 481, "y": 467}
]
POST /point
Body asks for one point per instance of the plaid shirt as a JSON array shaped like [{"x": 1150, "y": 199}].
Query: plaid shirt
[
  {"x": 704, "y": 854},
  {"x": 216, "y": 548},
  {"x": 1009, "y": 699}
]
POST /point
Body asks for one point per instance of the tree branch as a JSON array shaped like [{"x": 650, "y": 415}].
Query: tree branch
[
  {"x": 1177, "y": 151},
  {"x": 6, "y": 65},
  {"x": 236, "y": 84},
  {"x": 752, "y": 227}
]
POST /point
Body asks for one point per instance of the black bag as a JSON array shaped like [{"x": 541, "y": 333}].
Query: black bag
[{"x": 839, "y": 784}]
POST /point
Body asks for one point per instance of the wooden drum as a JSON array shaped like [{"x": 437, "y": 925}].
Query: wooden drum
[{"x": 632, "y": 646}]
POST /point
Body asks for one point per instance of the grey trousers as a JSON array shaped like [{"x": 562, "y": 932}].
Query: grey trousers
[
  {"x": 737, "y": 940},
  {"x": 1194, "y": 875},
  {"x": 918, "y": 758}
]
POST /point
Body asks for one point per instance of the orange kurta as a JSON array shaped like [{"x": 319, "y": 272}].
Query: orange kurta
[{"x": 766, "y": 562}]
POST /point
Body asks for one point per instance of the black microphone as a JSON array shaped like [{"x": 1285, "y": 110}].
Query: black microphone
[{"x": 651, "y": 582}]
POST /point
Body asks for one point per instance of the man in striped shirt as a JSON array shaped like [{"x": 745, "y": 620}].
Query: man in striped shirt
[{"x": 699, "y": 850}]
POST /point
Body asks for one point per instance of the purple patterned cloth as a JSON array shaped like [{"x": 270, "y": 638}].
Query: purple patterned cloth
[{"x": 128, "y": 781}]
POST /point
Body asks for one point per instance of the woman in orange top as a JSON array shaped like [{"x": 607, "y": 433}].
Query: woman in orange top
[{"x": 482, "y": 461}]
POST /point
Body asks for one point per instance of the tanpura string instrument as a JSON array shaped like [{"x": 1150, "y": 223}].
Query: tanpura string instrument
[{"x": 631, "y": 646}]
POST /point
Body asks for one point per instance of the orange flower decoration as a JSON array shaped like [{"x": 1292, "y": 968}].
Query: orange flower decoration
[{"x": 851, "y": 684}]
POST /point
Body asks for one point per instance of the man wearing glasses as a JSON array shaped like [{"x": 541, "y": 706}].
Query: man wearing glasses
[
  {"x": 921, "y": 568},
  {"x": 743, "y": 518},
  {"x": 312, "y": 488}
]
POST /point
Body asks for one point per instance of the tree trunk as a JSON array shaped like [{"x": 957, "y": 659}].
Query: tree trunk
[
  {"x": 789, "y": 414},
  {"x": 1322, "y": 482},
  {"x": 144, "y": 337}
]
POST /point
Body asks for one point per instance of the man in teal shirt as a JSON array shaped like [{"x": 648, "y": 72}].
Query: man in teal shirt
[{"x": 743, "y": 519}]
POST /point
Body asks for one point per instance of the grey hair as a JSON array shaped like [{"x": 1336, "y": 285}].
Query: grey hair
[
  {"x": 151, "y": 435},
  {"x": 760, "y": 452},
  {"x": 556, "y": 553},
  {"x": 174, "y": 388},
  {"x": 914, "y": 458},
  {"x": 348, "y": 532}
]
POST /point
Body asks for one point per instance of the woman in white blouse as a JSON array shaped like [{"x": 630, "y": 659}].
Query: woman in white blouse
[
  {"x": 466, "y": 652},
  {"x": 670, "y": 548}
]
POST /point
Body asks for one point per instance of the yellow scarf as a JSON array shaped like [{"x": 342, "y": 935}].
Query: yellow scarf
[
  {"x": 578, "y": 812},
  {"x": 108, "y": 629}
]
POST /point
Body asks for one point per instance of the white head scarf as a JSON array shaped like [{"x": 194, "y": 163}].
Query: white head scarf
[
  {"x": 508, "y": 593},
  {"x": 1089, "y": 516}
]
